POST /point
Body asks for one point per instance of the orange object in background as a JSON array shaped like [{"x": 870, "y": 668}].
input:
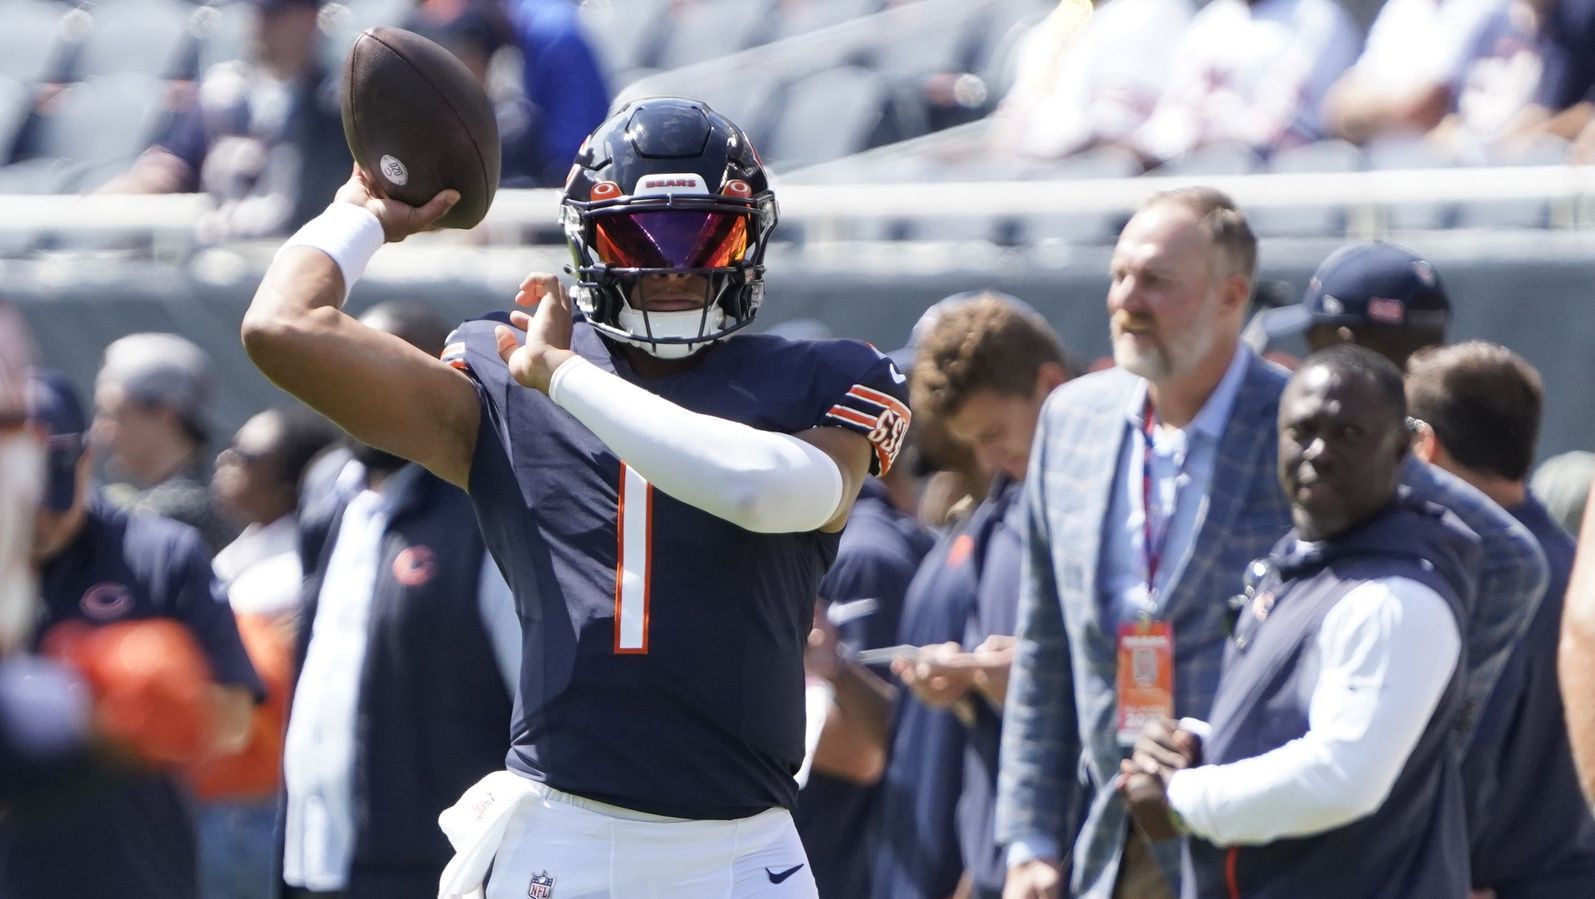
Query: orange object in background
[
  {"x": 151, "y": 686},
  {"x": 256, "y": 770}
]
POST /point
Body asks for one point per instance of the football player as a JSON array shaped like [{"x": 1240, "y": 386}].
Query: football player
[{"x": 661, "y": 492}]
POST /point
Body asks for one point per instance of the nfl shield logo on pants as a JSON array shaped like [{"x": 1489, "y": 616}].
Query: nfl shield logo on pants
[{"x": 542, "y": 886}]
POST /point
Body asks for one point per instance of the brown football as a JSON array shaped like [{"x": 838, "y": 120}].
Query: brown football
[{"x": 417, "y": 122}]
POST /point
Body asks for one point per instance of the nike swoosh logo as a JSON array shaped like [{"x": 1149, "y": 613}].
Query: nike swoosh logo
[{"x": 777, "y": 877}]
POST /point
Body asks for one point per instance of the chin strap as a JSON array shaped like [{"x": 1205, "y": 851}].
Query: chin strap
[{"x": 687, "y": 323}]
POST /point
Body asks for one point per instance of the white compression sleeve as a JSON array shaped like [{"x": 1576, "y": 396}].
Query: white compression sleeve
[{"x": 760, "y": 480}]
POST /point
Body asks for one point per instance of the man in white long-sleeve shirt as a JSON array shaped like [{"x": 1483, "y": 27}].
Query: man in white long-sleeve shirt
[{"x": 1329, "y": 766}]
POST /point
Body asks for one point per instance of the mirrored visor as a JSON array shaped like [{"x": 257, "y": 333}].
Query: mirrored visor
[{"x": 671, "y": 238}]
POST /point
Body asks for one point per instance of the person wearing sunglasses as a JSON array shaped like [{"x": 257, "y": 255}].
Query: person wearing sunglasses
[
  {"x": 1330, "y": 763},
  {"x": 661, "y": 491}
]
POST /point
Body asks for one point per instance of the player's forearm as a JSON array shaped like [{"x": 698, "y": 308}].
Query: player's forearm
[
  {"x": 759, "y": 480},
  {"x": 1576, "y": 655}
]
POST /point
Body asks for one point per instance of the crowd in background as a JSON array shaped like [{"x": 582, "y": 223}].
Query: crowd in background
[
  {"x": 365, "y": 675},
  {"x": 942, "y": 763}
]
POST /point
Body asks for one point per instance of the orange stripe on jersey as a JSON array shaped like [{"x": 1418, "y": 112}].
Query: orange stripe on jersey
[
  {"x": 885, "y": 400},
  {"x": 852, "y": 416},
  {"x": 454, "y": 349},
  {"x": 459, "y": 363}
]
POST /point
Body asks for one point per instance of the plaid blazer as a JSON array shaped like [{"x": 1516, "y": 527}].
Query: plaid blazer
[{"x": 1060, "y": 752}]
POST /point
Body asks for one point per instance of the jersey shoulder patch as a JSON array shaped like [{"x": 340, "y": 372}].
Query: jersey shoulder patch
[{"x": 869, "y": 396}]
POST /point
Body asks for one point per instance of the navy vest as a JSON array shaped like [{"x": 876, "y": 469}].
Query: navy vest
[
  {"x": 1414, "y": 846},
  {"x": 434, "y": 713}
]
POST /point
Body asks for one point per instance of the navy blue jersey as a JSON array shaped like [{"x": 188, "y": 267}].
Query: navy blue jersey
[
  {"x": 663, "y": 645},
  {"x": 880, "y": 551},
  {"x": 123, "y": 833}
]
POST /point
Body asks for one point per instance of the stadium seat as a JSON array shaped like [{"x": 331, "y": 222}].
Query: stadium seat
[
  {"x": 145, "y": 37},
  {"x": 1089, "y": 228},
  {"x": 31, "y": 41},
  {"x": 1511, "y": 214},
  {"x": 1414, "y": 154},
  {"x": 105, "y": 120},
  {"x": 625, "y": 35},
  {"x": 829, "y": 114},
  {"x": 16, "y": 103},
  {"x": 710, "y": 28},
  {"x": 224, "y": 31},
  {"x": 1213, "y": 159},
  {"x": 804, "y": 16},
  {"x": 1326, "y": 220},
  {"x": 925, "y": 51}
]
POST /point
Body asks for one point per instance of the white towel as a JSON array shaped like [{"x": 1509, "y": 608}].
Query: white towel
[{"x": 475, "y": 827}]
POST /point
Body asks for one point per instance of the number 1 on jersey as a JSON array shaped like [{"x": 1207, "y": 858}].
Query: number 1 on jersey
[{"x": 633, "y": 558}]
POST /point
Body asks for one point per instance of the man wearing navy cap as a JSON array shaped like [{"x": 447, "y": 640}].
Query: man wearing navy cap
[
  {"x": 1390, "y": 299},
  {"x": 1379, "y": 295},
  {"x": 127, "y": 830}
]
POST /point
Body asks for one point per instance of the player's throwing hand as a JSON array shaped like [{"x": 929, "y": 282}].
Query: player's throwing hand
[
  {"x": 399, "y": 220},
  {"x": 547, "y": 327}
]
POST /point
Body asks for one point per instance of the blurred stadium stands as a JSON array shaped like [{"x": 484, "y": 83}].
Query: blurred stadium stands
[{"x": 874, "y": 115}]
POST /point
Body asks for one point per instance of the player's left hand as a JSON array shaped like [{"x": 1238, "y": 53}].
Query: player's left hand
[{"x": 548, "y": 332}]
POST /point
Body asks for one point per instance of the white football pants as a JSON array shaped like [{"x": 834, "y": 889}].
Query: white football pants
[{"x": 589, "y": 850}]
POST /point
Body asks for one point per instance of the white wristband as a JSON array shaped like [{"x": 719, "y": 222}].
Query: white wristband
[{"x": 349, "y": 234}]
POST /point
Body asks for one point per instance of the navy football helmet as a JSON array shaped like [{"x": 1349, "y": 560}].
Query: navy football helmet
[{"x": 668, "y": 186}]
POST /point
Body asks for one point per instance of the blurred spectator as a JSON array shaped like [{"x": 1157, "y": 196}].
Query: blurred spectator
[
  {"x": 474, "y": 31},
  {"x": 1564, "y": 103},
  {"x": 45, "y": 717},
  {"x": 1379, "y": 295},
  {"x": 21, "y": 483},
  {"x": 152, "y": 402},
  {"x": 1088, "y": 77},
  {"x": 985, "y": 368},
  {"x": 1250, "y": 74},
  {"x": 131, "y": 601},
  {"x": 1155, "y": 486},
  {"x": 1328, "y": 766},
  {"x": 1500, "y": 83},
  {"x": 1413, "y": 69},
  {"x": 1531, "y": 833},
  {"x": 408, "y": 650},
  {"x": 562, "y": 79},
  {"x": 263, "y": 135},
  {"x": 862, "y": 607},
  {"x": 256, "y": 484},
  {"x": 1391, "y": 300},
  {"x": 1562, "y": 483},
  {"x": 984, "y": 363}
]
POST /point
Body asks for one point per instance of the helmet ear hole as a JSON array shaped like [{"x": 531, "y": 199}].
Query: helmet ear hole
[
  {"x": 736, "y": 187},
  {"x": 605, "y": 190}
]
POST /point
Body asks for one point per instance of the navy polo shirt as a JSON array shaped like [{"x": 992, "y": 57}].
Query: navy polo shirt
[
  {"x": 915, "y": 835},
  {"x": 880, "y": 551},
  {"x": 996, "y": 612},
  {"x": 1531, "y": 833},
  {"x": 122, "y": 831}
]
